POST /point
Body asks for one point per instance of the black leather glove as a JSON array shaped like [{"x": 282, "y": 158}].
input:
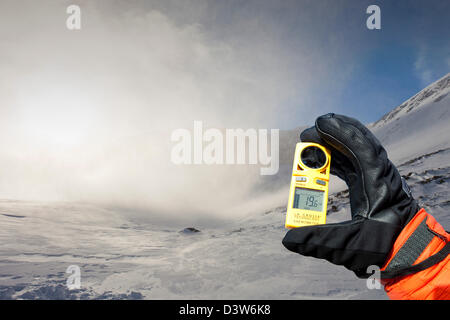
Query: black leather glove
[{"x": 381, "y": 202}]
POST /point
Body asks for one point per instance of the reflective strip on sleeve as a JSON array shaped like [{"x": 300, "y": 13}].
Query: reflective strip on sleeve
[{"x": 413, "y": 247}]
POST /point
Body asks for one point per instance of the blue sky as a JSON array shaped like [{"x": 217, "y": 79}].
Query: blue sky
[
  {"x": 387, "y": 66},
  {"x": 369, "y": 71},
  {"x": 411, "y": 50},
  {"x": 327, "y": 57}
]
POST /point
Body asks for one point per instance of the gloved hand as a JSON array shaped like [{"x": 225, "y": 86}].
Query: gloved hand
[{"x": 381, "y": 202}]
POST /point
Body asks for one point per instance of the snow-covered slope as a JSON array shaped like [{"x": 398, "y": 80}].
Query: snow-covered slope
[
  {"x": 416, "y": 135},
  {"x": 124, "y": 259},
  {"x": 418, "y": 126}
]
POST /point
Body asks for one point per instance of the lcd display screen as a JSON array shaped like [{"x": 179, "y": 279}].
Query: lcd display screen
[{"x": 308, "y": 199}]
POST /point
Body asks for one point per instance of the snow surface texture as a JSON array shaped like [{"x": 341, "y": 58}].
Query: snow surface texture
[{"x": 124, "y": 259}]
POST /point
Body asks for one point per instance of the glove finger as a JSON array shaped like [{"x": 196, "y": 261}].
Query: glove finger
[
  {"x": 351, "y": 138},
  {"x": 340, "y": 165},
  {"x": 311, "y": 135},
  {"x": 374, "y": 178}
]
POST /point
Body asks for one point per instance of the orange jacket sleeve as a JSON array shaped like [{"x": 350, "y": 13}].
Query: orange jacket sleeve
[{"x": 422, "y": 238}]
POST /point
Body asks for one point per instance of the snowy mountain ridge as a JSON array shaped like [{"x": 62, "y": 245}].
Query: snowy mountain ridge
[
  {"x": 418, "y": 126},
  {"x": 434, "y": 92}
]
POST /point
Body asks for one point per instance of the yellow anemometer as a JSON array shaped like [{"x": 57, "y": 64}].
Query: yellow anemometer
[{"x": 308, "y": 195}]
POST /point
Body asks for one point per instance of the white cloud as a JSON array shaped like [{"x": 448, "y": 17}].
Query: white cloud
[
  {"x": 421, "y": 67},
  {"x": 87, "y": 115}
]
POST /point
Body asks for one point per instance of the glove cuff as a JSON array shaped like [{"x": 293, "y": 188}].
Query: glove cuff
[{"x": 419, "y": 254}]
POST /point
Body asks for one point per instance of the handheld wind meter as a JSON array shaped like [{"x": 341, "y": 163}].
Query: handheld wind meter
[{"x": 308, "y": 195}]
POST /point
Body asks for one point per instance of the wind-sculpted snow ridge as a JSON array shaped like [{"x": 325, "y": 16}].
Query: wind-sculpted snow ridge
[
  {"x": 429, "y": 179},
  {"x": 57, "y": 290}
]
